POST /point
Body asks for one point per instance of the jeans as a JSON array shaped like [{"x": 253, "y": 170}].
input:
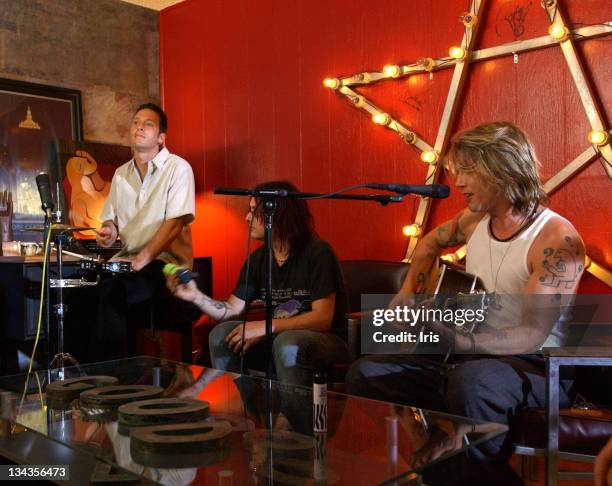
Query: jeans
[{"x": 294, "y": 354}]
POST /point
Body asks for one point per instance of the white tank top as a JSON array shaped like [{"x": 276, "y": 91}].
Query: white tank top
[{"x": 502, "y": 267}]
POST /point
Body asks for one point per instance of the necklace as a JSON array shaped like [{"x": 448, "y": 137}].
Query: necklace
[
  {"x": 501, "y": 262},
  {"x": 524, "y": 224}
]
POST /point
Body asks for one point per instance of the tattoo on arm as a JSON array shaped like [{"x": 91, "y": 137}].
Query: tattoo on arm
[
  {"x": 562, "y": 266},
  {"x": 219, "y": 305},
  {"x": 449, "y": 234}
]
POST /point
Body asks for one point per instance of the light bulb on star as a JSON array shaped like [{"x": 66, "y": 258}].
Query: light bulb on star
[
  {"x": 598, "y": 137},
  {"x": 331, "y": 83},
  {"x": 457, "y": 52},
  {"x": 558, "y": 32},
  {"x": 381, "y": 119},
  {"x": 411, "y": 230},
  {"x": 392, "y": 70},
  {"x": 429, "y": 156}
]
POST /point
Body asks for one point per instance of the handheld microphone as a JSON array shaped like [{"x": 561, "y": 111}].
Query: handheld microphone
[
  {"x": 439, "y": 191},
  {"x": 44, "y": 190},
  {"x": 183, "y": 274}
]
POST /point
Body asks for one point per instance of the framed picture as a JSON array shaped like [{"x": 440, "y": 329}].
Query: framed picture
[
  {"x": 86, "y": 170},
  {"x": 33, "y": 118}
]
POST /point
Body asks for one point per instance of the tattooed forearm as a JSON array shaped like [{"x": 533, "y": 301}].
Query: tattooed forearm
[
  {"x": 563, "y": 266},
  {"x": 216, "y": 309},
  {"x": 449, "y": 234}
]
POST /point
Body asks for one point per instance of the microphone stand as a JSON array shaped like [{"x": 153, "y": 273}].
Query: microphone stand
[
  {"x": 60, "y": 307},
  {"x": 270, "y": 205}
]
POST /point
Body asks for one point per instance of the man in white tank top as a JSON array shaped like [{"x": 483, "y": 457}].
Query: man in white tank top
[{"x": 530, "y": 261}]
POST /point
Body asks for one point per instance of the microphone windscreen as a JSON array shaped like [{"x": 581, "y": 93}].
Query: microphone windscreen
[
  {"x": 443, "y": 190},
  {"x": 44, "y": 190},
  {"x": 170, "y": 268},
  {"x": 183, "y": 274}
]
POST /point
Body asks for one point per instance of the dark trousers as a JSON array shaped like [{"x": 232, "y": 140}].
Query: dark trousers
[
  {"x": 489, "y": 389},
  {"x": 124, "y": 303}
]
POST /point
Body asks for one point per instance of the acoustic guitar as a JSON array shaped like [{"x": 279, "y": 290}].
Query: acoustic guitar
[{"x": 448, "y": 287}]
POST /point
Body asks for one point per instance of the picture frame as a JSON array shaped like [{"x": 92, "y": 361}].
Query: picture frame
[{"x": 33, "y": 119}]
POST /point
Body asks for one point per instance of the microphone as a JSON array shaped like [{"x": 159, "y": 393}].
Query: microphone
[
  {"x": 183, "y": 274},
  {"x": 439, "y": 191},
  {"x": 44, "y": 190}
]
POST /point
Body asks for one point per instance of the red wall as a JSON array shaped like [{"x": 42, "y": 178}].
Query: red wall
[{"x": 241, "y": 82}]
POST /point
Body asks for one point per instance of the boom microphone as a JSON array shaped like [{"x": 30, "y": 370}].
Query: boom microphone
[
  {"x": 44, "y": 190},
  {"x": 439, "y": 191},
  {"x": 183, "y": 274}
]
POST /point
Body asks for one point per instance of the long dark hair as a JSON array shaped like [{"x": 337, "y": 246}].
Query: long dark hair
[{"x": 293, "y": 224}]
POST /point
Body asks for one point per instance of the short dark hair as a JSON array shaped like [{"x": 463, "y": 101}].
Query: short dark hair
[
  {"x": 163, "y": 119},
  {"x": 293, "y": 223}
]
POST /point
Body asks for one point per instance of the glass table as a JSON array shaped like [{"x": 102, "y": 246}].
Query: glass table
[{"x": 223, "y": 428}]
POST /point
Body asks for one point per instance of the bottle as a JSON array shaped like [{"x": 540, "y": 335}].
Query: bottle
[{"x": 319, "y": 399}]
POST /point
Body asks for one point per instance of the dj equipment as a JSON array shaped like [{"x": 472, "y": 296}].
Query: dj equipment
[{"x": 106, "y": 267}]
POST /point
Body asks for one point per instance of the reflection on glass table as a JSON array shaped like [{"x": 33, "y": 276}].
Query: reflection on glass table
[{"x": 143, "y": 420}]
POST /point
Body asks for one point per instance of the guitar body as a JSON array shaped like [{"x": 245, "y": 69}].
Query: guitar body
[
  {"x": 449, "y": 286},
  {"x": 449, "y": 279}
]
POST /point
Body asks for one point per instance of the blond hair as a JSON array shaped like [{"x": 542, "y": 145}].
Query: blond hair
[{"x": 503, "y": 155}]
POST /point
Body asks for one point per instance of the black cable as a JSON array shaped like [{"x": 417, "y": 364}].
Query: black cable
[{"x": 339, "y": 191}]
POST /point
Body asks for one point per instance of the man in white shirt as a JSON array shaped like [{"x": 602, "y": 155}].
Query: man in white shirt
[{"x": 150, "y": 206}]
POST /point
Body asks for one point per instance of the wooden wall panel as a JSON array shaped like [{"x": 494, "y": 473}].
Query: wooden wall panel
[{"x": 241, "y": 82}]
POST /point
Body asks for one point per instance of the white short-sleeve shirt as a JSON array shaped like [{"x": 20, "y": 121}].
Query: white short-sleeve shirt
[{"x": 139, "y": 207}]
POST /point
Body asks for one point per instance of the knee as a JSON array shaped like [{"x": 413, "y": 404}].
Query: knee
[
  {"x": 216, "y": 338},
  {"x": 292, "y": 348},
  {"x": 471, "y": 386}
]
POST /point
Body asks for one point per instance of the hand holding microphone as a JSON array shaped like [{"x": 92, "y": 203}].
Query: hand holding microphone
[{"x": 180, "y": 281}]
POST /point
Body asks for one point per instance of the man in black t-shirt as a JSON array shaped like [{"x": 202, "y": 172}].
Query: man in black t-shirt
[{"x": 308, "y": 298}]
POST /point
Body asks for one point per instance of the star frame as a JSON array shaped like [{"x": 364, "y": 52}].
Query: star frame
[{"x": 460, "y": 57}]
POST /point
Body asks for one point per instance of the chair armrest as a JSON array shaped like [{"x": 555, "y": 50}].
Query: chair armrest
[
  {"x": 353, "y": 338},
  {"x": 579, "y": 351}
]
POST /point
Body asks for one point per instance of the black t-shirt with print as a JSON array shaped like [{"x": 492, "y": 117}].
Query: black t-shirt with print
[{"x": 313, "y": 273}]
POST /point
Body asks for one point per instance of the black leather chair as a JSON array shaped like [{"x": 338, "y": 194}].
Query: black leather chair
[
  {"x": 574, "y": 434},
  {"x": 367, "y": 277}
]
